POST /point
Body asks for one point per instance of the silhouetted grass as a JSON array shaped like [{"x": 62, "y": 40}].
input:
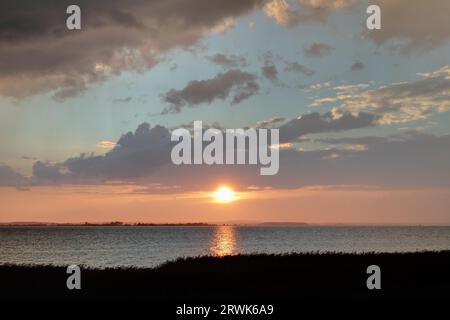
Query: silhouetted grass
[{"x": 309, "y": 276}]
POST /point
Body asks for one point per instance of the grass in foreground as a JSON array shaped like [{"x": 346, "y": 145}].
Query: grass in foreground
[{"x": 421, "y": 275}]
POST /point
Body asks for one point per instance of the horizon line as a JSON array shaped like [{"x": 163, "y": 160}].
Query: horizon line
[{"x": 221, "y": 223}]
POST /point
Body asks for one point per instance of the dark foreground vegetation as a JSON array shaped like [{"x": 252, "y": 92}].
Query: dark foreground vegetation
[{"x": 404, "y": 276}]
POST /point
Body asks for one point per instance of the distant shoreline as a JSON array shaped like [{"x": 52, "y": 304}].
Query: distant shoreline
[
  {"x": 204, "y": 224},
  {"x": 109, "y": 224},
  {"x": 139, "y": 224}
]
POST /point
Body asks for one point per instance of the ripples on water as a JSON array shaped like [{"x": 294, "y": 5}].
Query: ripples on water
[{"x": 151, "y": 246}]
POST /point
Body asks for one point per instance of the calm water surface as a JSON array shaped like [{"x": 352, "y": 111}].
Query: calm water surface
[{"x": 151, "y": 246}]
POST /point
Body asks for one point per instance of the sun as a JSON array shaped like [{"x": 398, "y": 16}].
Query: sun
[{"x": 224, "y": 194}]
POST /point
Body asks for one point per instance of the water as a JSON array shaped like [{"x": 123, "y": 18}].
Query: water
[{"x": 151, "y": 246}]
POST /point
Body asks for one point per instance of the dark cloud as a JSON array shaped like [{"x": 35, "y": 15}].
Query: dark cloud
[
  {"x": 249, "y": 89},
  {"x": 411, "y": 160},
  {"x": 241, "y": 85},
  {"x": 47, "y": 172},
  {"x": 327, "y": 122},
  {"x": 269, "y": 70},
  {"x": 38, "y": 54},
  {"x": 229, "y": 61},
  {"x": 142, "y": 155},
  {"x": 11, "y": 178},
  {"x": 374, "y": 142},
  {"x": 414, "y": 161},
  {"x": 358, "y": 65},
  {"x": 317, "y": 50},
  {"x": 137, "y": 154},
  {"x": 412, "y": 25},
  {"x": 299, "y": 68},
  {"x": 408, "y": 160}
]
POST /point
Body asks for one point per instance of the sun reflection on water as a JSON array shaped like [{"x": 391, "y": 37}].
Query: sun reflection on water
[{"x": 224, "y": 241}]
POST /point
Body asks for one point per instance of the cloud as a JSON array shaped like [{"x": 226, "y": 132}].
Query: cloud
[
  {"x": 408, "y": 160},
  {"x": 299, "y": 68},
  {"x": 269, "y": 122},
  {"x": 229, "y": 61},
  {"x": 281, "y": 12},
  {"x": 318, "y": 50},
  {"x": 412, "y": 26},
  {"x": 327, "y": 122},
  {"x": 374, "y": 141},
  {"x": 444, "y": 71},
  {"x": 269, "y": 70},
  {"x": 143, "y": 154},
  {"x": 39, "y": 55},
  {"x": 135, "y": 155},
  {"x": 45, "y": 172},
  {"x": 399, "y": 102},
  {"x": 358, "y": 65},
  {"x": 11, "y": 178},
  {"x": 414, "y": 160},
  {"x": 241, "y": 85},
  {"x": 351, "y": 87},
  {"x": 290, "y": 13}
]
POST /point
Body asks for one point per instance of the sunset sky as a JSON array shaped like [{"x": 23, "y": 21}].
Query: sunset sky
[{"x": 86, "y": 115}]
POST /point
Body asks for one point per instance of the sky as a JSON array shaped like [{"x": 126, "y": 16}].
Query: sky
[{"x": 86, "y": 115}]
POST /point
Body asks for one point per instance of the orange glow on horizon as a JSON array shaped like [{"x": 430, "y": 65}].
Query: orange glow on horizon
[{"x": 106, "y": 203}]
